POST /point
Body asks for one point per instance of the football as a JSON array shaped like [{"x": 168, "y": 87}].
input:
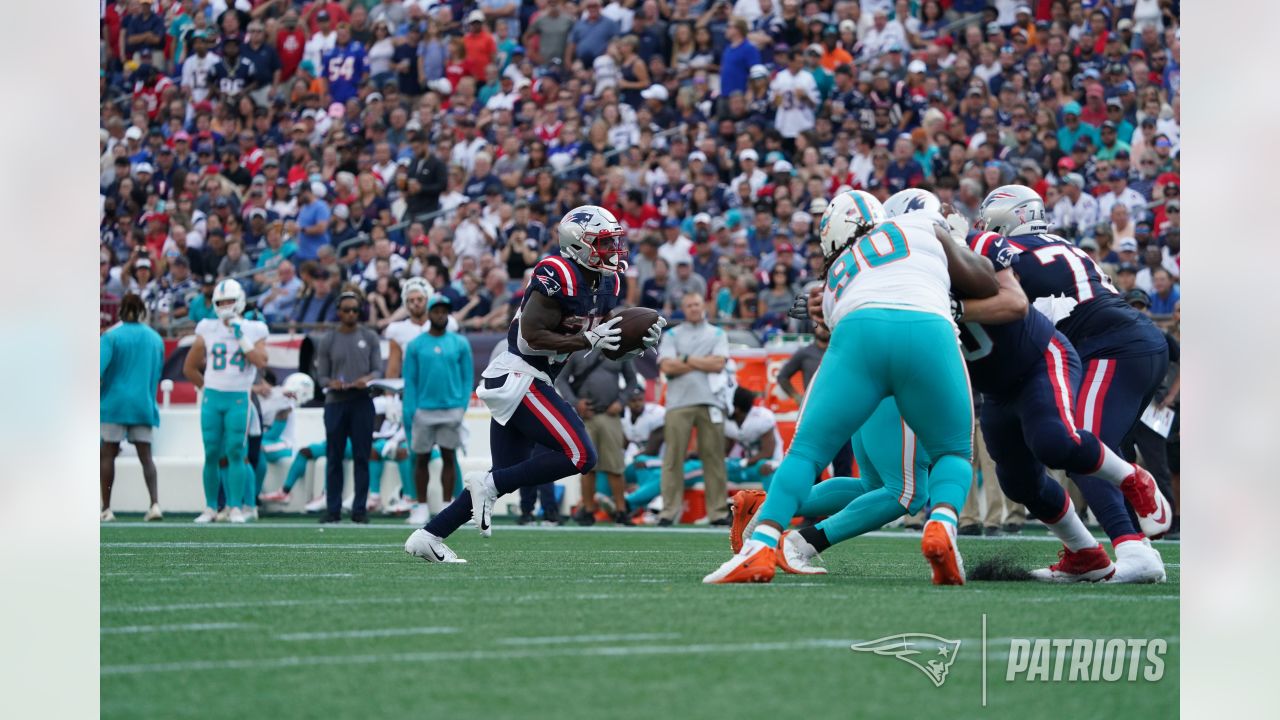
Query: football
[{"x": 636, "y": 321}]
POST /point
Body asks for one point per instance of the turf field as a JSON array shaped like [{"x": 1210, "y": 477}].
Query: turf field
[{"x": 283, "y": 620}]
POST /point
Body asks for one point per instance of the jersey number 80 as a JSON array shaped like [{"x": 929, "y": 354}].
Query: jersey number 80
[{"x": 886, "y": 243}]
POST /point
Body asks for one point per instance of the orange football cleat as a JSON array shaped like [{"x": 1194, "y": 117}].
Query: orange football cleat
[
  {"x": 750, "y": 566},
  {"x": 939, "y": 548},
  {"x": 746, "y": 503}
]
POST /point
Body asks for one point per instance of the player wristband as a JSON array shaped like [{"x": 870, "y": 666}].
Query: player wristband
[{"x": 957, "y": 309}]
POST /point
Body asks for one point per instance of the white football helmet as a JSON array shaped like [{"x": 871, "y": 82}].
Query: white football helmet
[
  {"x": 912, "y": 200},
  {"x": 592, "y": 237},
  {"x": 848, "y": 215},
  {"x": 228, "y": 290},
  {"x": 300, "y": 387},
  {"x": 416, "y": 285},
  {"x": 1013, "y": 210}
]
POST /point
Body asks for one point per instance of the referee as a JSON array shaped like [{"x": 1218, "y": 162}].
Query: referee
[{"x": 347, "y": 359}]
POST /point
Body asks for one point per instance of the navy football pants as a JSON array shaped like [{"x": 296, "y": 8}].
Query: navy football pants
[
  {"x": 1112, "y": 397},
  {"x": 543, "y": 441},
  {"x": 1034, "y": 427}
]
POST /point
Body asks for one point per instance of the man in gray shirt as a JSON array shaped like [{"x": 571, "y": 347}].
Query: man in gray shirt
[
  {"x": 552, "y": 30},
  {"x": 594, "y": 383},
  {"x": 685, "y": 282},
  {"x": 347, "y": 360},
  {"x": 693, "y": 355}
]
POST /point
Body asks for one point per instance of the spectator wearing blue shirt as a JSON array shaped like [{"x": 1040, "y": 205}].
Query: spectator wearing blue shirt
[
  {"x": 320, "y": 304},
  {"x": 1072, "y": 128},
  {"x": 1166, "y": 295},
  {"x": 590, "y": 36},
  {"x": 739, "y": 56},
  {"x": 142, "y": 30},
  {"x": 279, "y": 303},
  {"x": 313, "y": 219}
]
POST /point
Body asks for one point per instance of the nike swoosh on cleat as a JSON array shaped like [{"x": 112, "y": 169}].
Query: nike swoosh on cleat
[{"x": 1163, "y": 514}]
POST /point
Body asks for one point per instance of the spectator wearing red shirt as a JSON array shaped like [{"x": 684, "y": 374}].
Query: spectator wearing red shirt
[
  {"x": 337, "y": 14},
  {"x": 480, "y": 46},
  {"x": 291, "y": 42},
  {"x": 1094, "y": 111},
  {"x": 635, "y": 214}
]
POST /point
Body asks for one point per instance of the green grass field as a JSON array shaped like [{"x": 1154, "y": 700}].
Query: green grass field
[{"x": 283, "y": 620}]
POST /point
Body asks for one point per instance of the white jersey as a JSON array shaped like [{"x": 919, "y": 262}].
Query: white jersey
[
  {"x": 899, "y": 264},
  {"x": 225, "y": 366},
  {"x": 638, "y": 428},
  {"x": 759, "y": 420},
  {"x": 402, "y": 332},
  {"x": 272, "y": 406},
  {"x": 392, "y": 412}
]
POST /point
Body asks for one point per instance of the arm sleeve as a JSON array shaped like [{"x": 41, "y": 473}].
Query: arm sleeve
[{"x": 375, "y": 352}]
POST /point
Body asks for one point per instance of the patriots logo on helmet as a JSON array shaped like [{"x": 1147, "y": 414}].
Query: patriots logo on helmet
[
  {"x": 550, "y": 283},
  {"x": 582, "y": 218},
  {"x": 930, "y": 654}
]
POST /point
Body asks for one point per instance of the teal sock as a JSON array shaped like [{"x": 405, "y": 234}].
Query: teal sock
[
  {"x": 792, "y": 483},
  {"x": 260, "y": 472},
  {"x": 250, "y": 486},
  {"x": 949, "y": 481},
  {"x": 766, "y": 534},
  {"x": 831, "y": 496},
  {"x": 407, "y": 490},
  {"x": 297, "y": 469},
  {"x": 375, "y": 476},
  {"x": 238, "y": 476},
  {"x": 212, "y": 480},
  {"x": 867, "y": 512}
]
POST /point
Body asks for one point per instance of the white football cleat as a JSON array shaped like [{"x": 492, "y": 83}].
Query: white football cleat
[
  {"x": 222, "y": 515},
  {"x": 430, "y": 548},
  {"x": 206, "y": 517},
  {"x": 276, "y": 496},
  {"x": 397, "y": 506},
  {"x": 251, "y": 513},
  {"x": 108, "y": 516},
  {"x": 320, "y": 504},
  {"x": 483, "y": 495},
  {"x": 797, "y": 556},
  {"x": 755, "y": 563},
  {"x": 152, "y": 514},
  {"x": 236, "y": 516},
  {"x": 346, "y": 504},
  {"x": 1138, "y": 562},
  {"x": 419, "y": 514},
  {"x": 373, "y": 503}
]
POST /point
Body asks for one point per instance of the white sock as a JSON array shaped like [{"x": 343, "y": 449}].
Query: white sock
[
  {"x": 947, "y": 517},
  {"x": 767, "y": 531},
  {"x": 1114, "y": 468},
  {"x": 1071, "y": 531}
]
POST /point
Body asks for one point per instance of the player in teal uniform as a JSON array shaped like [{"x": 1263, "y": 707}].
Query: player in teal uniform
[
  {"x": 887, "y": 302},
  {"x": 223, "y": 362},
  {"x": 130, "y": 359}
]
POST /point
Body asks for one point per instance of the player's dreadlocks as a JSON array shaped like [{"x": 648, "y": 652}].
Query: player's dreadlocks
[
  {"x": 862, "y": 229},
  {"x": 132, "y": 309}
]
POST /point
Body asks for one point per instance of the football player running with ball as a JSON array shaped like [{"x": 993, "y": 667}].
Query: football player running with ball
[
  {"x": 535, "y": 435},
  {"x": 223, "y": 362},
  {"x": 887, "y": 302}
]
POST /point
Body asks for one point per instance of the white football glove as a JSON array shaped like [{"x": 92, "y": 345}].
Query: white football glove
[
  {"x": 389, "y": 449},
  {"x": 654, "y": 335},
  {"x": 236, "y": 324},
  {"x": 959, "y": 227},
  {"x": 605, "y": 336}
]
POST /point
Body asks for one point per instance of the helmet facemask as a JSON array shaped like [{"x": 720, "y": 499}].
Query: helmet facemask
[{"x": 606, "y": 252}]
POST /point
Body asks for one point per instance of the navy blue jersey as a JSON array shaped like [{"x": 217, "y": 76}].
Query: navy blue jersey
[
  {"x": 344, "y": 68},
  {"x": 582, "y": 307},
  {"x": 232, "y": 80},
  {"x": 999, "y": 356},
  {"x": 1078, "y": 296}
]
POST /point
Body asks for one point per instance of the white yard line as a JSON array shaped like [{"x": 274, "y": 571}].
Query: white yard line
[
  {"x": 528, "y": 528},
  {"x": 185, "y": 628},
  {"x": 570, "y": 639},
  {"x": 361, "y": 634},
  {"x": 466, "y": 655}
]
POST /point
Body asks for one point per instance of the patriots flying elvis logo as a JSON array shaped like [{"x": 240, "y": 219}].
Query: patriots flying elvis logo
[
  {"x": 930, "y": 654},
  {"x": 582, "y": 218}
]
